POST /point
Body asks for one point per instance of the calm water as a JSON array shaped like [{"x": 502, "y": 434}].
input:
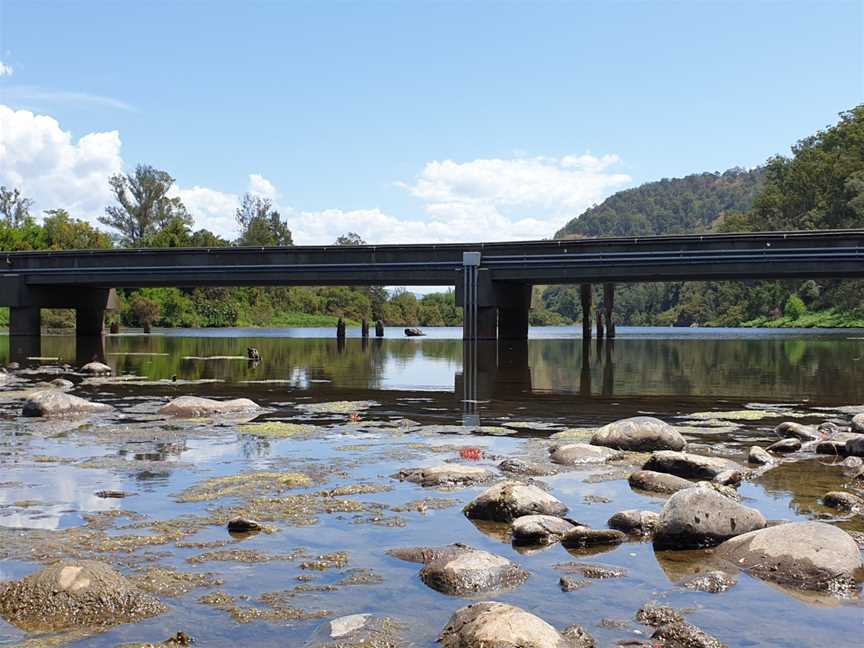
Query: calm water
[{"x": 50, "y": 470}]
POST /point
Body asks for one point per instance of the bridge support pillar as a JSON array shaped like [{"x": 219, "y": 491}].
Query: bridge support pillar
[
  {"x": 608, "y": 305},
  {"x": 25, "y": 323},
  {"x": 585, "y": 296},
  {"x": 502, "y": 308},
  {"x": 89, "y": 322}
]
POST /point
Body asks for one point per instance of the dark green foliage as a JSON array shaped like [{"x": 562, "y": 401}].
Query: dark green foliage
[{"x": 260, "y": 224}]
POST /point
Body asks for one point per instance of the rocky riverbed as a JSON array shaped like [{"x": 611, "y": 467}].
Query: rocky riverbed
[{"x": 135, "y": 512}]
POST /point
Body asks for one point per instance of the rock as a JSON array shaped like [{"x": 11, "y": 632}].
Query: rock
[
  {"x": 445, "y": 475},
  {"x": 725, "y": 491},
  {"x": 829, "y": 428},
  {"x": 634, "y": 522},
  {"x": 843, "y": 501},
  {"x": 574, "y": 454},
  {"x": 712, "y": 582},
  {"x": 539, "y": 529},
  {"x": 426, "y": 554},
  {"x": 857, "y": 424},
  {"x": 579, "y": 636},
  {"x": 657, "y": 482},
  {"x": 570, "y": 584},
  {"x": 356, "y": 630},
  {"x": 347, "y": 624},
  {"x": 497, "y": 625},
  {"x": 193, "y": 406},
  {"x": 655, "y": 615},
  {"x": 53, "y": 402},
  {"x": 62, "y": 383},
  {"x": 852, "y": 462},
  {"x": 509, "y": 500},
  {"x": 520, "y": 467},
  {"x": 732, "y": 478},
  {"x": 701, "y": 517},
  {"x": 583, "y": 536},
  {"x": 13, "y": 366},
  {"x": 855, "y": 447},
  {"x": 639, "y": 434},
  {"x": 243, "y": 525},
  {"x": 790, "y": 429},
  {"x": 591, "y": 570},
  {"x": 472, "y": 571},
  {"x": 784, "y": 446},
  {"x": 687, "y": 465},
  {"x": 836, "y": 445},
  {"x": 112, "y": 494},
  {"x": 95, "y": 369},
  {"x": 684, "y": 635},
  {"x": 759, "y": 456},
  {"x": 80, "y": 593},
  {"x": 803, "y": 555}
]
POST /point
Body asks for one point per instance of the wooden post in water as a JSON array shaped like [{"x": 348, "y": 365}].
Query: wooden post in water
[
  {"x": 340, "y": 329},
  {"x": 379, "y": 329},
  {"x": 609, "y": 304},
  {"x": 364, "y": 328},
  {"x": 599, "y": 325},
  {"x": 585, "y": 294}
]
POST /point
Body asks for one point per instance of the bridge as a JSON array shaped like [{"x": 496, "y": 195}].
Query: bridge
[{"x": 492, "y": 280}]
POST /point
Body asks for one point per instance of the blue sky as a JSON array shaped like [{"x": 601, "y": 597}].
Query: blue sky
[{"x": 412, "y": 120}]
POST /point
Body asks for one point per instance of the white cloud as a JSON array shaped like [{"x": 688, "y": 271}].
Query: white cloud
[
  {"x": 28, "y": 96},
  {"x": 261, "y": 186},
  {"x": 41, "y": 159},
  {"x": 6, "y": 70}
]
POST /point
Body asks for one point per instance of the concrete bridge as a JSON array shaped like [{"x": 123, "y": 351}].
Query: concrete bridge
[{"x": 492, "y": 280}]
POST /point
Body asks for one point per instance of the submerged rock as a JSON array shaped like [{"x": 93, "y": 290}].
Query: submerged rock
[
  {"x": 843, "y": 501},
  {"x": 539, "y": 529},
  {"x": 96, "y": 369},
  {"x": 784, "y": 446},
  {"x": 790, "y": 429},
  {"x": 657, "y": 482},
  {"x": 53, "y": 402},
  {"x": 639, "y": 434},
  {"x": 356, "y": 630},
  {"x": 583, "y": 536},
  {"x": 759, "y": 456},
  {"x": 574, "y": 454},
  {"x": 470, "y": 571},
  {"x": 498, "y": 625},
  {"x": 701, "y": 517},
  {"x": 655, "y": 615},
  {"x": 193, "y": 406},
  {"x": 634, "y": 522},
  {"x": 531, "y": 469},
  {"x": 69, "y": 594},
  {"x": 509, "y": 500},
  {"x": 684, "y": 635},
  {"x": 445, "y": 475},
  {"x": 803, "y": 555},
  {"x": 243, "y": 525},
  {"x": 687, "y": 465},
  {"x": 712, "y": 582}
]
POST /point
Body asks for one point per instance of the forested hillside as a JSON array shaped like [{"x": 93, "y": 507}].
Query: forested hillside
[{"x": 820, "y": 186}]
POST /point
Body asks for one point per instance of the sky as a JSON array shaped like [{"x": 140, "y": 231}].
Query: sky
[{"x": 410, "y": 121}]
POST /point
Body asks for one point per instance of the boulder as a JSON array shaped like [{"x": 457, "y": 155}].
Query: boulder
[
  {"x": 759, "y": 456},
  {"x": 731, "y": 478},
  {"x": 857, "y": 424},
  {"x": 785, "y": 446},
  {"x": 657, "y": 482},
  {"x": 836, "y": 445},
  {"x": 193, "y": 406},
  {"x": 639, "y": 434},
  {"x": 62, "y": 383},
  {"x": 684, "y": 635},
  {"x": 356, "y": 630},
  {"x": 690, "y": 466},
  {"x": 509, "y": 500},
  {"x": 497, "y": 625},
  {"x": 74, "y": 594},
  {"x": 701, "y": 517},
  {"x": 843, "y": 501},
  {"x": 54, "y": 402},
  {"x": 790, "y": 429},
  {"x": 95, "y": 369},
  {"x": 855, "y": 447},
  {"x": 634, "y": 522},
  {"x": 713, "y": 582},
  {"x": 531, "y": 469},
  {"x": 445, "y": 475},
  {"x": 243, "y": 525},
  {"x": 574, "y": 454},
  {"x": 583, "y": 536},
  {"x": 472, "y": 571},
  {"x": 803, "y": 555},
  {"x": 539, "y": 529}
]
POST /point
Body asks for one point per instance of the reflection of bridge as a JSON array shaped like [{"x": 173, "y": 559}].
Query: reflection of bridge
[{"x": 501, "y": 274}]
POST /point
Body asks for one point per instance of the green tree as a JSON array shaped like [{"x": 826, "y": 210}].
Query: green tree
[
  {"x": 14, "y": 207},
  {"x": 794, "y": 307},
  {"x": 351, "y": 238},
  {"x": 260, "y": 224},
  {"x": 207, "y": 239},
  {"x": 144, "y": 206},
  {"x": 144, "y": 310}
]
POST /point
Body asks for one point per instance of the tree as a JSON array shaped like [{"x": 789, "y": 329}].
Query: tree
[
  {"x": 260, "y": 224},
  {"x": 144, "y": 206},
  {"x": 14, "y": 207},
  {"x": 351, "y": 238},
  {"x": 794, "y": 307},
  {"x": 207, "y": 239},
  {"x": 62, "y": 232},
  {"x": 145, "y": 311}
]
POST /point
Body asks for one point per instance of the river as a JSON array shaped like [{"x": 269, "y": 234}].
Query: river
[{"x": 725, "y": 389}]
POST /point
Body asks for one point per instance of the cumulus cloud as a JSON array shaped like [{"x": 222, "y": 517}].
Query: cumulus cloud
[{"x": 6, "y": 70}]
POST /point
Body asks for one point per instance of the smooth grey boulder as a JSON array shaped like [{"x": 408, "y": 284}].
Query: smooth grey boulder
[
  {"x": 583, "y": 536},
  {"x": 95, "y": 369},
  {"x": 194, "y": 406},
  {"x": 574, "y": 454},
  {"x": 54, "y": 402},
  {"x": 62, "y": 383},
  {"x": 731, "y": 478},
  {"x": 445, "y": 475},
  {"x": 539, "y": 529},
  {"x": 74, "y": 594},
  {"x": 791, "y": 429},
  {"x": 855, "y": 447},
  {"x": 509, "y": 500},
  {"x": 498, "y": 625},
  {"x": 836, "y": 444},
  {"x": 472, "y": 571},
  {"x": 857, "y": 424},
  {"x": 657, "y": 482},
  {"x": 690, "y": 466},
  {"x": 634, "y": 522},
  {"x": 802, "y": 555},
  {"x": 843, "y": 501},
  {"x": 639, "y": 434},
  {"x": 701, "y": 517},
  {"x": 785, "y": 446},
  {"x": 521, "y": 467},
  {"x": 759, "y": 456}
]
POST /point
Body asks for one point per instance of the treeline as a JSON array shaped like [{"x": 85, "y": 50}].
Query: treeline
[
  {"x": 820, "y": 186},
  {"x": 145, "y": 214}
]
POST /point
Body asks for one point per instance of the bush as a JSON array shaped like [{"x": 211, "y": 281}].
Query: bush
[{"x": 794, "y": 308}]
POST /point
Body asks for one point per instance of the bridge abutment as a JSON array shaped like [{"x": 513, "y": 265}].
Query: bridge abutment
[{"x": 502, "y": 307}]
